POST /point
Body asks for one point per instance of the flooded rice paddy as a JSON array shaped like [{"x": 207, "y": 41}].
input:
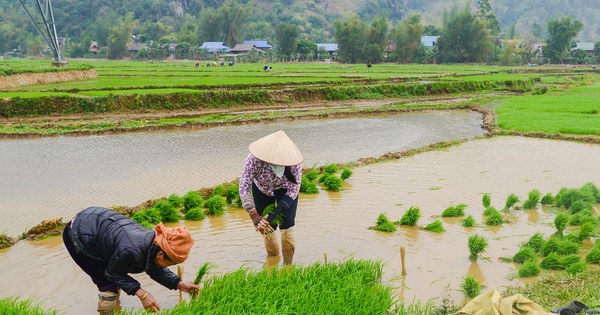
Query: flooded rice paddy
[{"x": 335, "y": 224}]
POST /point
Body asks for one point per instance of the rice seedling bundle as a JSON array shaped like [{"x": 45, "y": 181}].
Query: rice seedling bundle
[
  {"x": 494, "y": 219},
  {"x": 571, "y": 259},
  {"x": 330, "y": 169},
  {"x": 524, "y": 254},
  {"x": 15, "y": 306},
  {"x": 167, "y": 212},
  {"x": 593, "y": 256},
  {"x": 194, "y": 214},
  {"x": 511, "y": 201},
  {"x": 175, "y": 200},
  {"x": 469, "y": 221},
  {"x": 487, "y": 200},
  {"x": 566, "y": 197},
  {"x": 477, "y": 244},
  {"x": 346, "y": 173},
  {"x": 536, "y": 241},
  {"x": 218, "y": 191},
  {"x": 587, "y": 230},
  {"x": 567, "y": 247},
  {"x": 383, "y": 224},
  {"x": 333, "y": 183},
  {"x": 548, "y": 199},
  {"x": 192, "y": 199},
  {"x": 580, "y": 206},
  {"x": 529, "y": 269},
  {"x": 411, "y": 217},
  {"x": 435, "y": 226},
  {"x": 532, "y": 201},
  {"x": 470, "y": 287},
  {"x": 582, "y": 217},
  {"x": 203, "y": 270},
  {"x": 215, "y": 205},
  {"x": 561, "y": 220},
  {"x": 311, "y": 175},
  {"x": 577, "y": 267},
  {"x": 233, "y": 196},
  {"x": 549, "y": 246},
  {"x": 308, "y": 187},
  {"x": 277, "y": 221},
  {"x": 490, "y": 211},
  {"x": 593, "y": 190},
  {"x": 553, "y": 262},
  {"x": 455, "y": 211}
]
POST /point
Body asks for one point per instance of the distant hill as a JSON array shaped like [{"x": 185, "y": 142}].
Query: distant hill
[{"x": 315, "y": 18}]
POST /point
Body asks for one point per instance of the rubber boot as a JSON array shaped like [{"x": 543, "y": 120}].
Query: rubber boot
[
  {"x": 288, "y": 245},
  {"x": 272, "y": 247},
  {"x": 107, "y": 303}
]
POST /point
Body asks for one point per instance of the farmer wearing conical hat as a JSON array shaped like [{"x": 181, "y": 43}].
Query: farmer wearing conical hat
[
  {"x": 109, "y": 246},
  {"x": 272, "y": 174}
]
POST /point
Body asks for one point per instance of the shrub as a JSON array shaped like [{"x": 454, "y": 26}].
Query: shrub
[
  {"x": 191, "y": 200},
  {"x": 411, "y": 217}
]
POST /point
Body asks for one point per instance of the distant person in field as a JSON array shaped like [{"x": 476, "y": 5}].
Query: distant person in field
[
  {"x": 369, "y": 65},
  {"x": 266, "y": 68},
  {"x": 197, "y": 65}
]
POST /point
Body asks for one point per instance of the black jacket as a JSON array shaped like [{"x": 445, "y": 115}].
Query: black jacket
[{"x": 123, "y": 244}]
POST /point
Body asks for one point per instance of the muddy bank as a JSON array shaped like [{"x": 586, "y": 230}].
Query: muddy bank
[{"x": 45, "y": 78}]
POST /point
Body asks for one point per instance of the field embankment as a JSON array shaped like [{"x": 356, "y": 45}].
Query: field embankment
[{"x": 25, "y": 79}]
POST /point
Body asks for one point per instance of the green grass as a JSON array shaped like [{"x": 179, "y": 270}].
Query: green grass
[
  {"x": 14, "y": 306},
  {"x": 576, "y": 112}
]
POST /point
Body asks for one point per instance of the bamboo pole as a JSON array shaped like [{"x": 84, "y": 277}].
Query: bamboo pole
[
  {"x": 180, "y": 274},
  {"x": 403, "y": 261},
  {"x": 325, "y": 256}
]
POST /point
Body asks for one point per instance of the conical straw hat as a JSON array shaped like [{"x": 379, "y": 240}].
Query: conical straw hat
[{"x": 276, "y": 148}]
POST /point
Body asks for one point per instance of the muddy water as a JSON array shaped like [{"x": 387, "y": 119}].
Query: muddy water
[{"x": 337, "y": 224}]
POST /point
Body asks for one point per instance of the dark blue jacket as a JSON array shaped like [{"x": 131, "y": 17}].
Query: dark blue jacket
[{"x": 123, "y": 244}]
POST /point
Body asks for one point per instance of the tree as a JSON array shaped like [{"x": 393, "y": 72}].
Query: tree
[
  {"x": 407, "y": 37},
  {"x": 561, "y": 33},
  {"x": 376, "y": 42},
  {"x": 597, "y": 51},
  {"x": 118, "y": 38},
  {"x": 466, "y": 38},
  {"x": 286, "y": 36},
  {"x": 232, "y": 17},
  {"x": 486, "y": 14},
  {"x": 350, "y": 36},
  {"x": 306, "y": 49}
]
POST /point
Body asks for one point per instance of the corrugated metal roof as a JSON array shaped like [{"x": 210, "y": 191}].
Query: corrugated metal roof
[
  {"x": 328, "y": 46},
  {"x": 258, "y": 43}
]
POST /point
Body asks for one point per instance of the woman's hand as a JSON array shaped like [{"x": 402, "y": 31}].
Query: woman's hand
[
  {"x": 187, "y": 286},
  {"x": 148, "y": 301}
]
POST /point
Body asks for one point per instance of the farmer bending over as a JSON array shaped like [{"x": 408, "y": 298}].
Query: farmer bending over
[{"x": 108, "y": 246}]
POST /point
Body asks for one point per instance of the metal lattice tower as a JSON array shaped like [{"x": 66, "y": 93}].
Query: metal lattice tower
[{"x": 46, "y": 18}]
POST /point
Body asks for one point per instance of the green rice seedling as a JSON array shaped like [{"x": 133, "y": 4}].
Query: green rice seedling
[
  {"x": 312, "y": 175},
  {"x": 572, "y": 237},
  {"x": 192, "y": 199},
  {"x": 383, "y": 224},
  {"x": 587, "y": 230},
  {"x": 435, "y": 226},
  {"x": 553, "y": 262},
  {"x": 153, "y": 215},
  {"x": 202, "y": 271},
  {"x": 567, "y": 196},
  {"x": 308, "y": 187},
  {"x": 411, "y": 217},
  {"x": 477, "y": 244},
  {"x": 548, "y": 199},
  {"x": 218, "y": 191},
  {"x": 524, "y": 254},
  {"x": 581, "y": 218},
  {"x": 593, "y": 256},
  {"x": 571, "y": 259},
  {"x": 511, "y": 201},
  {"x": 455, "y": 211},
  {"x": 194, "y": 214},
  {"x": 333, "y": 183},
  {"x": 278, "y": 220},
  {"x": 529, "y": 269},
  {"x": 490, "y": 210},
  {"x": 167, "y": 212},
  {"x": 487, "y": 200},
  {"x": 576, "y": 268},
  {"x": 469, "y": 221},
  {"x": 232, "y": 196},
  {"x": 470, "y": 287},
  {"x": 550, "y": 245},
  {"x": 593, "y": 190},
  {"x": 567, "y": 247},
  {"x": 215, "y": 205},
  {"x": 580, "y": 206},
  {"x": 323, "y": 178},
  {"x": 175, "y": 200},
  {"x": 330, "y": 169},
  {"x": 346, "y": 173},
  {"x": 561, "y": 220},
  {"x": 494, "y": 219},
  {"x": 532, "y": 201},
  {"x": 14, "y": 306},
  {"x": 536, "y": 241}
]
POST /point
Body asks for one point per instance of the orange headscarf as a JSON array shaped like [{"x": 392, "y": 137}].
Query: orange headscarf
[{"x": 176, "y": 242}]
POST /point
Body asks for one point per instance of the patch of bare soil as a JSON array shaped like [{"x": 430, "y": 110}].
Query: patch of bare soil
[{"x": 45, "y": 78}]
